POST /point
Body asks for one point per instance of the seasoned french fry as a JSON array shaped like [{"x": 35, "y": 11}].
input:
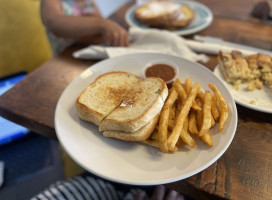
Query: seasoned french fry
[
  {"x": 207, "y": 114},
  {"x": 199, "y": 114},
  {"x": 186, "y": 125},
  {"x": 201, "y": 95},
  {"x": 193, "y": 127},
  {"x": 195, "y": 106},
  {"x": 188, "y": 87},
  {"x": 157, "y": 127},
  {"x": 172, "y": 88},
  {"x": 172, "y": 117},
  {"x": 155, "y": 135},
  {"x": 180, "y": 143},
  {"x": 178, "y": 106},
  {"x": 188, "y": 110},
  {"x": 164, "y": 118},
  {"x": 224, "y": 111},
  {"x": 183, "y": 94},
  {"x": 213, "y": 123},
  {"x": 181, "y": 91},
  {"x": 171, "y": 124},
  {"x": 215, "y": 110},
  {"x": 207, "y": 138},
  {"x": 185, "y": 136},
  {"x": 172, "y": 114},
  {"x": 172, "y": 140},
  {"x": 155, "y": 143}
]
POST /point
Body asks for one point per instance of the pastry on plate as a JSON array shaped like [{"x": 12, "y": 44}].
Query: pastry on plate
[
  {"x": 164, "y": 15},
  {"x": 254, "y": 70}
]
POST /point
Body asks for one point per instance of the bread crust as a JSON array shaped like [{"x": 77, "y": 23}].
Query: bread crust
[
  {"x": 88, "y": 114},
  {"x": 137, "y": 123},
  {"x": 140, "y": 135}
]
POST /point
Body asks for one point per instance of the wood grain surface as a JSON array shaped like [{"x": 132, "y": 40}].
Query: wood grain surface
[{"x": 245, "y": 169}]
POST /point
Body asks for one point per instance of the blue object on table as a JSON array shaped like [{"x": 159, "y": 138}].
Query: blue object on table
[
  {"x": 32, "y": 162},
  {"x": 10, "y": 131}
]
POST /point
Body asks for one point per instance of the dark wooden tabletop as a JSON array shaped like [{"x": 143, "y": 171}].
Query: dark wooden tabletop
[{"x": 245, "y": 169}]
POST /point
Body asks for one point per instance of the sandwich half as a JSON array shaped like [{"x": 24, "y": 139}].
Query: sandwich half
[
  {"x": 138, "y": 107},
  {"x": 102, "y": 96},
  {"x": 139, "y": 135}
]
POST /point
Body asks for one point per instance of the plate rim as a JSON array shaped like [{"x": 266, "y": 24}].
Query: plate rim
[
  {"x": 240, "y": 102},
  {"x": 181, "y": 32},
  {"x": 146, "y": 183}
]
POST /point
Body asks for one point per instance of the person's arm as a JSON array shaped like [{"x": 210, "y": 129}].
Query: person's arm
[{"x": 78, "y": 26}]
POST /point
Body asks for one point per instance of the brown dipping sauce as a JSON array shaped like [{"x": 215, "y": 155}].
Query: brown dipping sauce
[{"x": 163, "y": 71}]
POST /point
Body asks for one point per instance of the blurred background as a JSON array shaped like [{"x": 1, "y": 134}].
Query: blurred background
[{"x": 24, "y": 44}]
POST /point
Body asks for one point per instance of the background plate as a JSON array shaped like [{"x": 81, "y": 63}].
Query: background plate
[
  {"x": 203, "y": 18},
  {"x": 131, "y": 162},
  {"x": 262, "y": 98}
]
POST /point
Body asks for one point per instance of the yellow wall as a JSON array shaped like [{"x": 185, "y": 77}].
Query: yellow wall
[{"x": 23, "y": 41}]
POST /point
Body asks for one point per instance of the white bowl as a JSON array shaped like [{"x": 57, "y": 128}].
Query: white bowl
[{"x": 162, "y": 61}]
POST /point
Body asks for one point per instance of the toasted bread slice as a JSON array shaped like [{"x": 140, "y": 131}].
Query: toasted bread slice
[
  {"x": 157, "y": 14},
  {"x": 139, "y": 105},
  {"x": 103, "y": 95},
  {"x": 184, "y": 19},
  {"x": 140, "y": 135},
  {"x": 164, "y": 15}
]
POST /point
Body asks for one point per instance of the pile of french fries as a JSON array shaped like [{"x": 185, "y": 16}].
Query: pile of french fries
[{"x": 188, "y": 114}]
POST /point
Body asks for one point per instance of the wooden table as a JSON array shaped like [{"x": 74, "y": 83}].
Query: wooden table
[{"x": 243, "y": 172}]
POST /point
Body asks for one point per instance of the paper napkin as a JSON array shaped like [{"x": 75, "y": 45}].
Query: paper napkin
[
  {"x": 214, "y": 48},
  {"x": 151, "y": 40}
]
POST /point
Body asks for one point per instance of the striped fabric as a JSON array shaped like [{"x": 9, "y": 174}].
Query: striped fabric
[{"x": 84, "y": 188}]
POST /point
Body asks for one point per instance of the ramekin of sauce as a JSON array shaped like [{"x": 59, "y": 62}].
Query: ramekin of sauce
[{"x": 164, "y": 69}]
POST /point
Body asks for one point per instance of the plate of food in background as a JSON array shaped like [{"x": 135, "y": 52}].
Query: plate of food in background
[
  {"x": 180, "y": 16},
  {"x": 249, "y": 78},
  {"x": 120, "y": 123}
]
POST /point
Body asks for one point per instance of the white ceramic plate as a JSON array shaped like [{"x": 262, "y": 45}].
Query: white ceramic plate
[
  {"x": 203, "y": 18},
  {"x": 132, "y": 162},
  {"x": 262, "y": 99}
]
